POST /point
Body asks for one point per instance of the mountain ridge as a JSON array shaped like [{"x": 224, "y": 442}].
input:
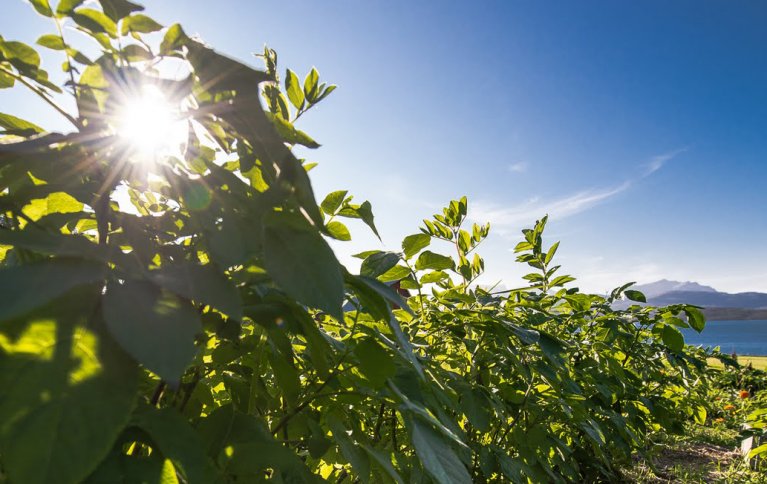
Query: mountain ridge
[{"x": 717, "y": 305}]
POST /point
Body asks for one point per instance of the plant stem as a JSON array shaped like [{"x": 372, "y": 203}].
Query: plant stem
[{"x": 44, "y": 97}]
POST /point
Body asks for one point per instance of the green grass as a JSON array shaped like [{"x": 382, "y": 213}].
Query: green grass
[{"x": 759, "y": 362}]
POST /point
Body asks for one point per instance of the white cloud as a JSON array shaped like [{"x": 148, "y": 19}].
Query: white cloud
[
  {"x": 519, "y": 167},
  {"x": 533, "y": 209},
  {"x": 656, "y": 162}
]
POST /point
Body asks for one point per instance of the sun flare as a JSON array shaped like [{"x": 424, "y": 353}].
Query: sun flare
[{"x": 149, "y": 124}]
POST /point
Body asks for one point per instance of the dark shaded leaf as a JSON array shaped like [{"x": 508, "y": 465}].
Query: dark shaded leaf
[
  {"x": 378, "y": 263},
  {"x": 374, "y": 362},
  {"x": 203, "y": 284},
  {"x": 177, "y": 441},
  {"x": 157, "y": 328},
  {"x": 29, "y": 286},
  {"x": 68, "y": 392},
  {"x": 696, "y": 318},
  {"x": 635, "y": 295},
  {"x": 119, "y": 9},
  {"x": 435, "y": 453},
  {"x": 301, "y": 262}
]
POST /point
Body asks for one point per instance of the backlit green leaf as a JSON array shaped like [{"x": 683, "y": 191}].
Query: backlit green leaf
[
  {"x": 431, "y": 260},
  {"x": 51, "y": 41},
  {"x": 293, "y": 88},
  {"x": 412, "y": 244},
  {"x": 139, "y": 23},
  {"x": 42, "y": 7},
  {"x": 20, "y": 127}
]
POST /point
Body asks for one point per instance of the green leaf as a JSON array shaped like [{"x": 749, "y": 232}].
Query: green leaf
[
  {"x": 699, "y": 414},
  {"x": 49, "y": 243},
  {"x": 436, "y": 455},
  {"x": 635, "y": 296},
  {"x": 135, "y": 52},
  {"x": 19, "y": 54},
  {"x": 123, "y": 468},
  {"x": 119, "y": 9},
  {"x": 695, "y": 317},
  {"x": 310, "y": 85},
  {"x": 476, "y": 406},
  {"x": 174, "y": 39},
  {"x": 203, "y": 284},
  {"x": 67, "y": 394},
  {"x": 350, "y": 449},
  {"x": 431, "y": 260},
  {"x": 157, "y": 328},
  {"x": 177, "y": 441},
  {"x": 762, "y": 449},
  {"x": 286, "y": 375},
  {"x": 387, "y": 292},
  {"x": 18, "y": 126},
  {"x": 434, "y": 276},
  {"x": 378, "y": 263},
  {"x": 289, "y": 132},
  {"x": 293, "y": 88},
  {"x": 66, "y": 6},
  {"x": 396, "y": 273},
  {"x": 412, "y": 244},
  {"x": 672, "y": 338},
  {"x": 139, "y": 23},
  {"x": 94, "y": 21},
  {"x": 51, "y": 41},
  {"x": 551, "y": 252},
  {"x": 326, "y": 92},
  {"x": 333, "y": 201},
  {"x": 302, "y": 263},
  {"x": 27, "y": 287},
  {"x": 385, "y": 462},
  {"x": 338, "y": 231},
  {"x": 6, "y": 80},
  {"x": 375, "y": 362},
  {"x": 42, "y": 7},
  {"x": 365, "y": 211}
]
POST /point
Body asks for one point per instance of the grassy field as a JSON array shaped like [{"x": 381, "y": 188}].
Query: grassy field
[{"x": 759, "y": 362}]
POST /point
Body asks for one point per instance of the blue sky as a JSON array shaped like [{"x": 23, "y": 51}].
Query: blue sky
[{"x": 640, "y": 127}]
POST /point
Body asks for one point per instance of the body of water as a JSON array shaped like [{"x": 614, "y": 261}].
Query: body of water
[{"x": 741, "y": 337}]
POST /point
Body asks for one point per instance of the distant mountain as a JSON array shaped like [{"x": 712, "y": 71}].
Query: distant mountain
[
  {"x": 718, "y": 305},
  {"x": 745, "y": 300},
  {"x": 665, "y": 286}
]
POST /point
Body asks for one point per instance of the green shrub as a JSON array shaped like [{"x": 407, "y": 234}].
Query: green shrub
[{"x": 185, "y": 318}]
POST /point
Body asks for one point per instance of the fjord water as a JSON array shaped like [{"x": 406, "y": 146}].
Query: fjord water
[{"x": 741, "y": 337}]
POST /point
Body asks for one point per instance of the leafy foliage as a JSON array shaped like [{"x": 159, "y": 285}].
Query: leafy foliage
[{"x": 185, "y": 320}]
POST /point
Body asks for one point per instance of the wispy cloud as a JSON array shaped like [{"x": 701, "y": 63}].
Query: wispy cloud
[
  {"x": 519, "y": 167},
  {"x": 656, "y": 162},
  {"x": 535, "y": 208},
  {"x": 527, "y": 212}
]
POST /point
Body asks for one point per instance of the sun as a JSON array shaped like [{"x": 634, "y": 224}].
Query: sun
[{"x": 149, "y": 124}]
